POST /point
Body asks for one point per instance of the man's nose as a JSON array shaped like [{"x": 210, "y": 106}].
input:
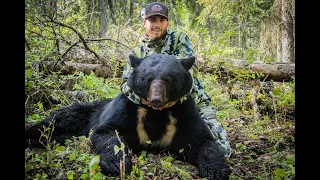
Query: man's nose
[{"x": 157, "y": 23}]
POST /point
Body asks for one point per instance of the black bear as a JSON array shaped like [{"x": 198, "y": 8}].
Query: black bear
[{"x": 167, "y": 119}]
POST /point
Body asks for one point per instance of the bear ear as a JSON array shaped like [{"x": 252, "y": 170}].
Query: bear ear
[
  {"x": 134, "y": 60},
  {"x": 187, "y": 62}
]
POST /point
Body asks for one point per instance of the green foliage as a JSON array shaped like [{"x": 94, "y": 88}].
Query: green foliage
[
  {"x": 251, "y": 54},
  {"x": 233, "y": 26},
  {"x": 161, "y": 166},
  {"x": 284, "y": 99},
  {"x": 94, "y": 165},
  {"x": 95, "y": 86},
  {"x": 74, "y": 160},
  {"x": 285, "y": 166},
  {"x": 241, "y": 147}
]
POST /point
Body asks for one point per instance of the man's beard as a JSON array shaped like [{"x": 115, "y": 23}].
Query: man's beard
[{"x": 159, "y": 34}]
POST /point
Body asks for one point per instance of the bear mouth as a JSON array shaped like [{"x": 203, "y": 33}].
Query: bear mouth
[
  {"x": 157, "y": 97},
  {"x": 167, "y": 105}
]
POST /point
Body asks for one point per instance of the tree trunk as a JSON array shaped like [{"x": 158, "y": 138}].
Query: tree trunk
[
  {"x": 49, "y": 7},
  {"x": 91, "y": 17},
  {"x": 124, "y": 4},
  {"x": 239, "y": 36},
  {"x": 131, "y": 13},
  {"x": 287, "y": 32},
  {"x": 103, "y": 19},
  {"x": 110, "y": 5},
  {"x": 279, "y": 44}
]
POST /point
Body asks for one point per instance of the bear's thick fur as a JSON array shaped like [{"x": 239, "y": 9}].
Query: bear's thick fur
[{"x": 166, "y": 120}]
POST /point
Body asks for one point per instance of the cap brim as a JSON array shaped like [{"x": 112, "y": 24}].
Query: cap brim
[{"x": 156, "y": 14}]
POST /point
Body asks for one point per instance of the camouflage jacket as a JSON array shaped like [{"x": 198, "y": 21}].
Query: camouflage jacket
[{"x": 180, "y": 47}]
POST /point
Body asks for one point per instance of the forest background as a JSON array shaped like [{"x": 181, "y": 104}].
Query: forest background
[{"x": 75, "y": 51}]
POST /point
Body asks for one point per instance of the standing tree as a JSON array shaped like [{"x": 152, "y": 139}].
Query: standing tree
[
  {"x": 103, "y": 19},
  {"x": 112, "y": 14},
  {"x": 124, "y": 5},
  {"x": 91, "y": 16},
  {"x": 130, "y": 12},
  {"x": 287, "y": 32}
]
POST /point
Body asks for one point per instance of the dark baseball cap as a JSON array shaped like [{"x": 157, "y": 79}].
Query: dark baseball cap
[{"x": 156, "y": 8}]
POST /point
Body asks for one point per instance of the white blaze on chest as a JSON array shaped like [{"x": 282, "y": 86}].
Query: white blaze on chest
[{"x": 143, "y": 136}]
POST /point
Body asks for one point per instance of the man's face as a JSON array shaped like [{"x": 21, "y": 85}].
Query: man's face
[{"x": 156, "y": 26}]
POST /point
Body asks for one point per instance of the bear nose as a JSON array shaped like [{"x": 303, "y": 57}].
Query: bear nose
[
  {"x": 157, "y": 93},
  {"x": 156, "y": 102}
]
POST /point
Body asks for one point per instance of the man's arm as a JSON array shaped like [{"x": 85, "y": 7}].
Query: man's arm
[
  {"x": 185, "y": 48},
  {"x": 203, "y": 101},
  {"x": 127, "y": 69}
]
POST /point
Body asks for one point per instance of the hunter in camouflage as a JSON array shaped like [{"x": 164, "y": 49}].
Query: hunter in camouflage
[{"x": 178, "y": 44}]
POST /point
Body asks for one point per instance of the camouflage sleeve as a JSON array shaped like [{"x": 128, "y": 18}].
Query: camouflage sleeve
[
  {"x": 208, "y": 113},
  {"x": 127, "y": 69},
  {"x": 185, "y": 48}
]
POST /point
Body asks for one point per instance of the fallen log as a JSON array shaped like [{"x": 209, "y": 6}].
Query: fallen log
[
  {"x": 67, "y": 67},
  {"x": 276, "y": 72},
  {"x": 272, "y": 71}
]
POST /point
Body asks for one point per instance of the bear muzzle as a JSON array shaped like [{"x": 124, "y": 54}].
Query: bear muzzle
[{"x": 157, "y": 94}]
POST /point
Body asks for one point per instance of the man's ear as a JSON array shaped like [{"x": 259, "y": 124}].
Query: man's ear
[
  {"x": 144, "y": 23},
  {"x": 134, "y": 60}
]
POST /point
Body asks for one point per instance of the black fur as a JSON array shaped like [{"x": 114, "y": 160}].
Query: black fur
[{"x": 190, "y": 132}]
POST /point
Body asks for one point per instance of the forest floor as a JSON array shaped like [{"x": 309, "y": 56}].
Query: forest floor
[{"x": 269, "y": 155}]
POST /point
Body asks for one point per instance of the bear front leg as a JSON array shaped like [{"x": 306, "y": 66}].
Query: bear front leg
[
  {"x": 211, "y": 163},
  {"x": 103, "y": 142}
]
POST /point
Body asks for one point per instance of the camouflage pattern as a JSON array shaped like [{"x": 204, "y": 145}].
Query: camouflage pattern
[{"x": 203, "y": 101}]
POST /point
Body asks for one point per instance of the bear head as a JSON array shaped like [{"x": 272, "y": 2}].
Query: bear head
[{"x": 160, "y": 79}]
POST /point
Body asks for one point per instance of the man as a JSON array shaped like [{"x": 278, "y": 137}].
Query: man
[{"x": 159, "y": 39}]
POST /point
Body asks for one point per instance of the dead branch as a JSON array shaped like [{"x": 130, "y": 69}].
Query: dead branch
[
  {"x": 83, "y": 40},
  {"x": 62, "y": 55},
  {"x": 101, "y": 39}
]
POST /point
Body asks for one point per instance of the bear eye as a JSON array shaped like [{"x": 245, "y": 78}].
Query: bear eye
[
  {"x": 166, "y": 79},
  {"x": 149, "y": 79}
]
